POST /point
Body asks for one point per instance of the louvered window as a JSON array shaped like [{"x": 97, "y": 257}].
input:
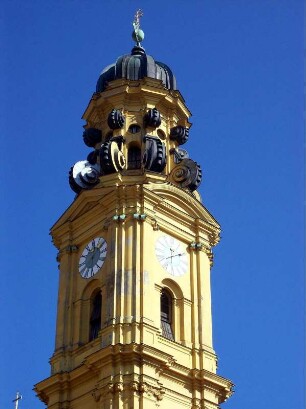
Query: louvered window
[
  {"x": 134, "y": 157},
  {"x": 95, "y": 318},
  {"x": 166, "y": 315}
]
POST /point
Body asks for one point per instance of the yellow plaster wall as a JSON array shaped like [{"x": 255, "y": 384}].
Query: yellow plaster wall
[{"x": 131, "y": 365}]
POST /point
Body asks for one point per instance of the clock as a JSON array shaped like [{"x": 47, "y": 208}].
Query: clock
[
  {"x": 92, "y": 257},
  {"x": 172, "y": 255}
]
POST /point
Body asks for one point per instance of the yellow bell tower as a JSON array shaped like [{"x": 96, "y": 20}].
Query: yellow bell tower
[{"x": 134, "y": 325}]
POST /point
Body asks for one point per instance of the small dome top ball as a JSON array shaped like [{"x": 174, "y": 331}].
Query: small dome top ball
[{"x": 138, "y": 36}]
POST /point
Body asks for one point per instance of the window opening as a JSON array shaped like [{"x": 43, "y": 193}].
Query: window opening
[
  {"x": 166, "y": 315},
  {"x": 134, "y": 157},
  {"x": 134, "y": 128},
  {"x": 95, "y": 318}
]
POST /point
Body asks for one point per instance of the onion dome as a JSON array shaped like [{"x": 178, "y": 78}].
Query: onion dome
[{"x": 136, "y": 66}]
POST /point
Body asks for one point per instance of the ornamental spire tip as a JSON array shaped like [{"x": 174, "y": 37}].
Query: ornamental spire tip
[{"x": 138, "y": 34}]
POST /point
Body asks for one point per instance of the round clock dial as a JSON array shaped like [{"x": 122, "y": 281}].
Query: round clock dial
[
  {"x": 171, "y": 255},
  {"x": 92, "y": 257}
]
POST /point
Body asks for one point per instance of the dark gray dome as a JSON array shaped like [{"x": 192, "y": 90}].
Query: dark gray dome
[{"x": 135, "y": 66}]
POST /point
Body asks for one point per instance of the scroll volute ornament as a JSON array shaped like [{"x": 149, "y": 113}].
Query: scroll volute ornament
[
  {"x": 186, "y": 174},
  {"x": 111, "y": 158},
  {"x": 83, "y": 175},
  {"x": 152, "y": 118}
]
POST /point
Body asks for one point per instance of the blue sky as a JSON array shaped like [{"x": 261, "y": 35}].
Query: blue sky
[{"x": 239, "y": 66}]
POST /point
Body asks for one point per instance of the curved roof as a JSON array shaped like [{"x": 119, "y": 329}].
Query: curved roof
[{"x": 135, "y": 66}]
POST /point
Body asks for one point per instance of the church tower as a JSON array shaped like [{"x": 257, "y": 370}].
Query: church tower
[{"x": 134, "y": 324}]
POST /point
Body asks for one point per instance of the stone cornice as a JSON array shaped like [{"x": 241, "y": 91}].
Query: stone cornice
[
  {"x": 120, "y": 91},
  {"x": 119, "y": 353},
  {"x": 162, "y": 203}
]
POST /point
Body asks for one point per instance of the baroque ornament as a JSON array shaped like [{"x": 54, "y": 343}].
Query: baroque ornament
[
  {"x": 154, "y": 157},
  {"x": 179, "y": 134},
  {"x": 93, "y": 156},
  {"x": 152, "y": 118},
  {"x": 115, "y": 119},
  {"x": 111, "y": 158},
  {"x": 186, "y": 174},
  {"x": 83, "y": 175},
  {"x": 91, "y": 136}
]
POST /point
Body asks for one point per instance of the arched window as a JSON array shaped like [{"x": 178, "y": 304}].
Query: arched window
[
  {"x": 95, "y": 317},
  {"x": 134, "y": 157},
  {"x": 166, "y": 314}
]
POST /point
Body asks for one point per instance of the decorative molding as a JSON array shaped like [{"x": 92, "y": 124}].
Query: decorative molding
[
  {"x": 196, "y": 403},
  {"x": 134, "y": 386},
  {"x": 155, "y": 224},
  {"x": 96, "y": 394},
  {"x": 106, "y": 224},
  {"x": 198, "y": 246},
  {"x": 118, "y": 387},
  {"x": 119, "y": 217},
  {"x": 195, "y": 246},
  {"x": 158, "y": 287},
  {"x": 138, "y": 387},
  {"x": 210, "y": 255},
  {"x": 171, "y": 362},
  {"x": 149, "y": 390},
  {"x": 71, "y": 248},
  {"x": 140, "y": 217}
]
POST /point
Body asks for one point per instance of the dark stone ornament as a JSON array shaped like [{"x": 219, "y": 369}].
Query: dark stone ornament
[
  {"x": 111, "y": 158},
  {"x": 179, "y": 154},
  {"x": 93, "y": 156},
  {"x": 83, "y": 175},
  {"x": 179, "y": 134},
  {"x": 91, "y": 136},
  {"x": 119, "y": 140},
  {"x": 115, "y": 119},
  {"x": 186, "y": 174},
  {"x": 197, "y": 181},
  {"x": 152, "y": 118},
  {"x": 74, "y": 186},
  {"x": 154, "y": 157}
]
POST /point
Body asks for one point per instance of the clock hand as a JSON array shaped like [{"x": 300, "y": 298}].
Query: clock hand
[
  {"x": 165, "y": 258},
  {"x": 100, "y": 244},
  {"x": 172, "y": 255}
]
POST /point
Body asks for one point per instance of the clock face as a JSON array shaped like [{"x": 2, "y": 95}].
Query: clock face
[
  {"x": 93, "y": 257},
  {"x": 172, "y": 255}
]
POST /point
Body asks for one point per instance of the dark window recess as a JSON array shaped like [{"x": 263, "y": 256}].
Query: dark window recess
[
  {"x": 165, "y": 315},
  {"x": 95, "y": 318},
  {"x": 134, "y": 158},
  {"x": 134, "y": 128}
]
